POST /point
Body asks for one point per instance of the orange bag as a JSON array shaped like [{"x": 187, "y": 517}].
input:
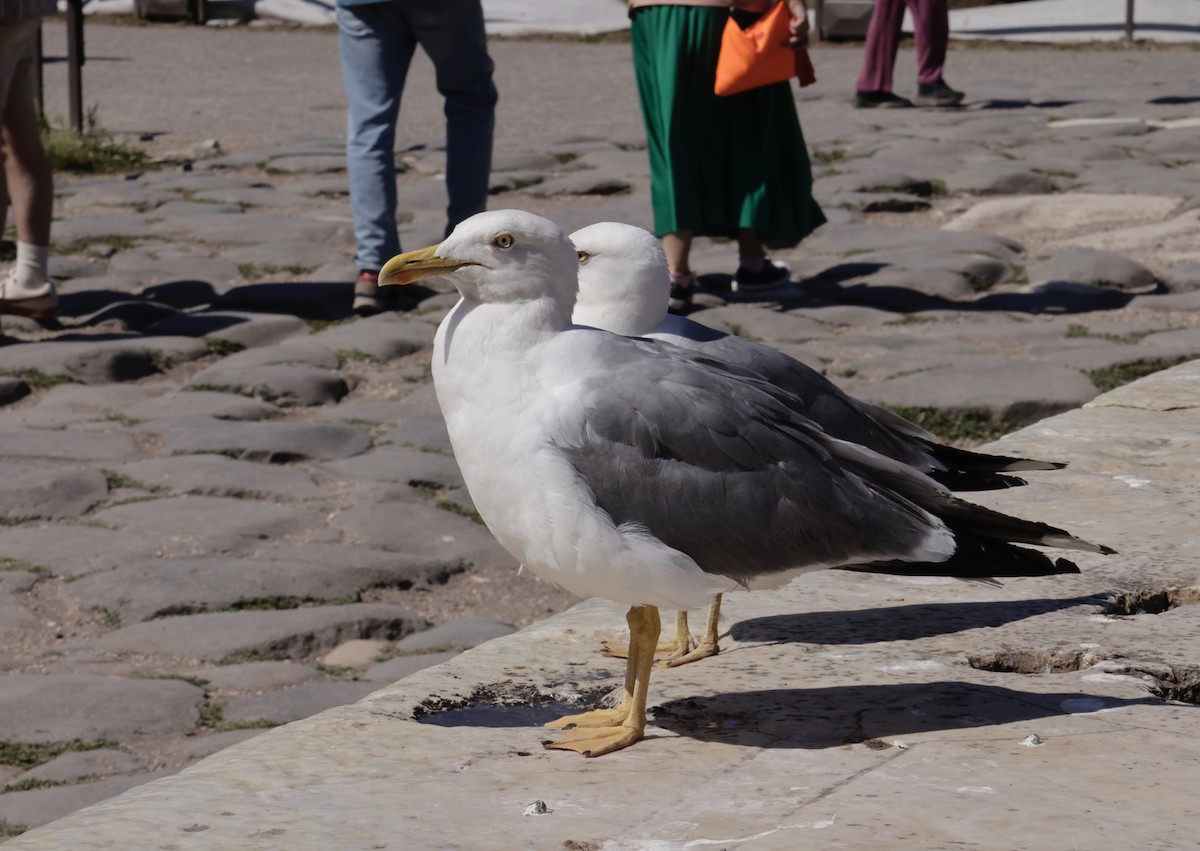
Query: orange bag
[{"x": 760, "y": 54}]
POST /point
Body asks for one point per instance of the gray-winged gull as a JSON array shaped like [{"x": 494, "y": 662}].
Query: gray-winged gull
[
  {"x": 569, "y": 440},
  {"x": 624, "y": 288}
]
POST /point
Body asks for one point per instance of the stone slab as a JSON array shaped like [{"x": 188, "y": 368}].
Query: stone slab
[
  {"x": 292, "y": 633},
  {"x": 62, "y": 707}
]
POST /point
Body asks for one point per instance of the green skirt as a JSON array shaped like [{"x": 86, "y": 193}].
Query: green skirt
[{"x": 717, "y": 164}]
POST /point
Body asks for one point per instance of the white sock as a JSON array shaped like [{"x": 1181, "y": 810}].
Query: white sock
[{"x": 32, "y": 268}]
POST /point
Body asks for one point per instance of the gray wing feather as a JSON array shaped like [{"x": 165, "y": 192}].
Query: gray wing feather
[{"x": 712, "y": 464}]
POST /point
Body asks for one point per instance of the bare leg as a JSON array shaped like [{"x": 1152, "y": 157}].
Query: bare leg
[
  {"x": 644, "y": 629},
  {"x": 678, "y": 248},
  {"x": 29, "y": 181},
  {"x": 749, "y": 245}
]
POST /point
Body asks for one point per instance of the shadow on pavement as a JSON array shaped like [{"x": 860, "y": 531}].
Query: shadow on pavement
[
  {"x": 899, "y": 623},
  {"x": 816, "y": 718}
]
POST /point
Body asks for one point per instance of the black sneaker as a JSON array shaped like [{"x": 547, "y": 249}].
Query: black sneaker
[
  {"x": 937, "y": 94},
  {"x": 880, "y": 100},
  {"x": 770, "y": 276},
  {"x": 681, "y": 295}
]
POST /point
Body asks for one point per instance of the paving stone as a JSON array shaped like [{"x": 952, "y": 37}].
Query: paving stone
[
  {"x": 100, "y": 360},
  {"x": 61, "y": 707},
  {"x": 758, "y": 324},
  {"x": 75, "y": 266},
  {"x": 426, "y": 470},
  {"x": 355, "y": 653},
  {"x": 458, "y": 634},
  {"x": 39, "y": 806},
  {"x": 69, "y": 446},
  {"x": 280, "y": 384},
  {"x": 73, "y": 766},
  {"x": 215, "y": 521},
  {"x": 399, "y": 667},
  {"x": 1061, "y": 212},
  {"x": 193, "y": 403},
  {"x": 70, "y": 551},
  {"x": 277, "y": 442},
  {"x": 256, "y": 676},
  {"x": 202, "y": 746},
  {"x": 98, "y": 228},
  {"x": 12, "y": 390},
  {"x": 141, "y": 590},
  {"x": 271, "y": 259},
  {"x": 384, "y": 337},
  {"x": 292, "y": 704},
  {"x": 216, "y": 475},
  {"x": 32, "y": 493},
  {"x": 257, "y": 196},
  {"x": 999, "y": 179},
  {"x": 294, "y": 633},
  {"x": 244, "y": 329},
  {"x": 580, "y": 183},
  {"x": 422, "y": 532},
  {"x": 252, "y": 227},
  {"x": 370, "y": 411},
  {"x": 425, "y": 433},
  {"x": 127, "y": 195},
  {"x": 13, "y": 615},
  {"x": 1020, "y": 391},
  {"x": 1095, "y": 267},
  {"x": 1183, "y": 276},
  {"x": 157, "y": 264}
]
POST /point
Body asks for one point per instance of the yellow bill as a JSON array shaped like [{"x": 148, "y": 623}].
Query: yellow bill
[{"x": 415, "y": 265}]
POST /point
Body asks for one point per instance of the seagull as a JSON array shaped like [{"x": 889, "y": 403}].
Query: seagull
[
  {"x": 570, "y": 440},
  {"x": 624, "y": 288}
]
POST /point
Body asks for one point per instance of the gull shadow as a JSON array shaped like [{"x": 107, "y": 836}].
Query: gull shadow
[
  {"x": 1018, "y": 103},
  {"x": 899, "y": 623},
  {"x": 818, "y": 718},
  {"x": 1175, "y": 100}
]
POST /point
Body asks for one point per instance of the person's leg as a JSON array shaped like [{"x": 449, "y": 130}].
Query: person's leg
[
  {"x": 883, "y": 40},
  {"x": 931, "y": 31},
  {"x": 30, "y": 189},
  {"x": 375, "y": 47},
  {"x": 451, "y": 32},
  {"x": 931, "y": 27}
]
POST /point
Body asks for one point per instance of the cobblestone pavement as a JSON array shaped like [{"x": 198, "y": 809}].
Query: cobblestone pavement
[{"x": 227, "y": 503}]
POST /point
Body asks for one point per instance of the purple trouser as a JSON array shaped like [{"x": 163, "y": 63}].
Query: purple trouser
[{"x": 931, "y": 29}]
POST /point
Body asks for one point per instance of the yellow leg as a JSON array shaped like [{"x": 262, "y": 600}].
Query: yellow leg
[
  {"x": 677, "y": 646},
  {"x": 708, "y": 644},
  {"x": 644, "y": 629}
]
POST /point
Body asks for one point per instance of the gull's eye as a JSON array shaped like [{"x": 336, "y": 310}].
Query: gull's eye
[
  {"x": 504, "y": 240},
  {"x": 583, "y": 256}
]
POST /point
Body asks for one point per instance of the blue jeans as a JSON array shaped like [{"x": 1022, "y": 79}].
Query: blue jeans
[{"x": 376, "y": 42}]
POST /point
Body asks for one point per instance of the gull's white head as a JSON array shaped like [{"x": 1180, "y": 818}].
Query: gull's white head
[
  {"x": 624, "y": 286},
  {"x": 501, "y": 256}
]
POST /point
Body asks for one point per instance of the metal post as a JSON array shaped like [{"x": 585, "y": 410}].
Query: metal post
[
  {"x": 1129, "y": 21},
  {"x": 75, "y": 63}
]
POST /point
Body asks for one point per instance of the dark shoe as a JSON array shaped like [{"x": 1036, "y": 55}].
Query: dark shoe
[
  {"x": 937, "y": 94},
  {"x": 880, "y": 100},
  {"x": 367, "y": 300},
  {"x": 770, "y": 276},
  {"x": 681, "y": 295}
]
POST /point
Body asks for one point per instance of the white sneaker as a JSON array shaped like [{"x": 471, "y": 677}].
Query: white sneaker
[{"x": 36, "y": 303}]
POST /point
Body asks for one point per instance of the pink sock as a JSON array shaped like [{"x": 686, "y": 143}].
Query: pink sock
[{"x": 753, "y": 264}]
